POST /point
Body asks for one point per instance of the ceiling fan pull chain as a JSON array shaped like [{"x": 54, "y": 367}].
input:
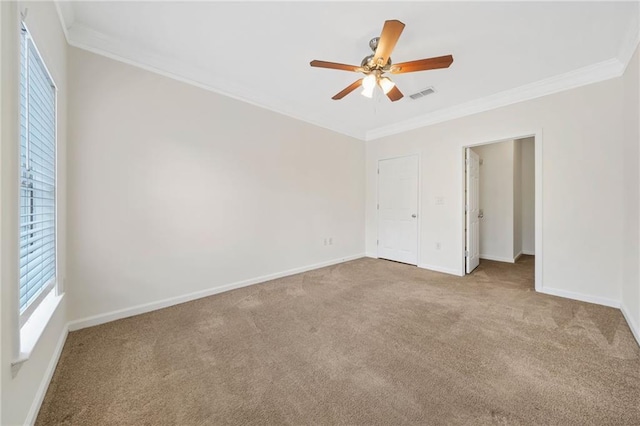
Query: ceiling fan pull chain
[{"x": 376, "y": 102}]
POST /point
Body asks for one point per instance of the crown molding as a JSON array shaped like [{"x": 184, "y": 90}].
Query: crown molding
[
  {"x": 82, "y": 37},
  {"x": 66, "y": 15},
  {"x": 93, "y": 41},
  {"x": 631, "y": 41},
  {"x": 583, "y": 76}
]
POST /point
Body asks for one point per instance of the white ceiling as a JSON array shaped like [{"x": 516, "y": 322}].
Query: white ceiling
[{"x": 260, "y": 51}]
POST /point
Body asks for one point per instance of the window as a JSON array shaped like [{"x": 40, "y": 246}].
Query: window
[{"x": 37, "y": 178}]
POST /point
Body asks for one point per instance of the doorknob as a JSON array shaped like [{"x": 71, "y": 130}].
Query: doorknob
[
  {"x": 480, "y": 214},
  {"x": 414, "y": 215}
]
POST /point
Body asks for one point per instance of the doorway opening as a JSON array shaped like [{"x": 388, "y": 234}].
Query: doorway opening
[{"x": 502, "y": 204}]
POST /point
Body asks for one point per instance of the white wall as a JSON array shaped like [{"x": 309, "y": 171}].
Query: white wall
[
  {"x": 528, "y": 193},
  {"x": 582, "y": 184},
  {"x": 20, "y": 393},
  {"x": 631, "y": 212},
  {"x": 497, "y": 200},
  {"x": 175, "y": 190}
]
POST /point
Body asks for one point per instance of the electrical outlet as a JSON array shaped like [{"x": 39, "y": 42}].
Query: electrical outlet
[
  {"x": 438, "y": 246},
  {"x": 325, "y": 241},
  {"x": 330, "y": 241}
]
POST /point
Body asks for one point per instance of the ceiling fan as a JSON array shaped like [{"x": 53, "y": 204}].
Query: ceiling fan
[{"x": 377, "y": 64}]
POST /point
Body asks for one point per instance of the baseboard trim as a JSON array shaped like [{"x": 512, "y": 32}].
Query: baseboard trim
[
  {"x": 499, "y": 258},
  {"x": 165, "y": 303},
  {"x": 635, "y": 330},
  {"x": 581, "y": 297},
  {"x": 440, "y": 269},
  {"x": 46, "y": 379},
  {"x": 528, "y": 253},
  {"x": 371, "y": 255},
  {"x": 516, "y": 257}
]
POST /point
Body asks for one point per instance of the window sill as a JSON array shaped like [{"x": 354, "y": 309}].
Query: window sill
[{"x": 33, "y": 329}]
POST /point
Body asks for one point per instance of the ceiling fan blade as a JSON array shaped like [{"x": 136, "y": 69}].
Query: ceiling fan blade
[
  {"x": 395, "y": 94},
  {"x": 388, "y": 39},
  {"x": 353, "y": 86},
  {"x": 334, "y": 66},
  {"x": 422, "y": 64}
]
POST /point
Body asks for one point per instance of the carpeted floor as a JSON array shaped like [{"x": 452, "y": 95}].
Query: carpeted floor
[{"x": 368, "y": 342}]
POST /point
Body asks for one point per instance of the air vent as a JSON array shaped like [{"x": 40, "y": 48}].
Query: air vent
[{"x": 423, "y": 93}]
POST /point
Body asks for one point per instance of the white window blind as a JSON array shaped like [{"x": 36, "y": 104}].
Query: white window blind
[{"x": 37, "y": 178}]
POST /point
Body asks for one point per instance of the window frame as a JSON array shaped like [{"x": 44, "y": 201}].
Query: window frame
[{"x": 52, "y": 284}]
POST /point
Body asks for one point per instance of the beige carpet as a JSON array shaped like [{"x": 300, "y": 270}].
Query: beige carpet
[{"x": 366, "y": 342}]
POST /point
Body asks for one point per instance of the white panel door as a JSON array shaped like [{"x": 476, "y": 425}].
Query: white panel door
[
  {"x": 398, "y": 209},
  {"x": 473, "y": 210}
]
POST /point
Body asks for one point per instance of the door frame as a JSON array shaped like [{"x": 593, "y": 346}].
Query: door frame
[
  {"x": 419, "y": 207},
  {"x": 537, "y": 142},
  {"x": 469, "y": 251}
]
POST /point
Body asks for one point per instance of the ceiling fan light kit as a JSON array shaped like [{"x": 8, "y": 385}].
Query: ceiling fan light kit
[
  {"x": 368, "y": 84},
  {"x": 374, "y": 66},
  {"x": 386, "y": 84}
]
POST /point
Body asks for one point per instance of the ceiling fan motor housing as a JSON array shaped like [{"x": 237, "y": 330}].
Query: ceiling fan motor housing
[{"x": 368, "y": 64}]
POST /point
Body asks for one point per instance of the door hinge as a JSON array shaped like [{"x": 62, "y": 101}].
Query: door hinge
[
  {"x": 377, "y": 242},
  {"x": 466, "y": 207},
  {"x": 466, "y": 253},
  {"x": 378, "y": 171},
  {"x": 378, "y": 206}
]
